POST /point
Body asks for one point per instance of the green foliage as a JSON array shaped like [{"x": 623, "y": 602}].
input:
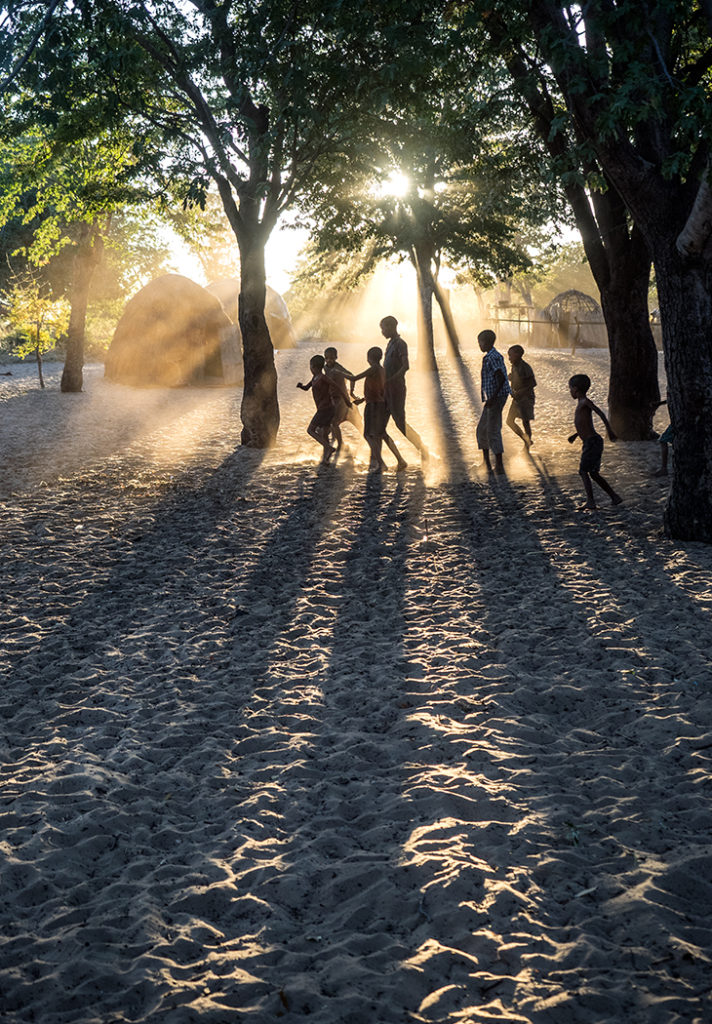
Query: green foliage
[{"x": 36, "y": 319}]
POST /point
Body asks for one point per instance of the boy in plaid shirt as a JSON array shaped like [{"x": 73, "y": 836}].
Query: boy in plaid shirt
[{"x": 495, "y": 391}]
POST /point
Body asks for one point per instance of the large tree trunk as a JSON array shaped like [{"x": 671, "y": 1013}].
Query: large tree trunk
[
  {"x": 443, "y": 302},
  {"x": 615, "y": 253},
  {"x": 634, "y": 392},
  {"x": 260, "y": 408},
  {"x": 686, "y": 313},
  {"x": 620, "y": 263},
  {"x": 90, "y": 250},
  {"x": 426, "y": 289}
]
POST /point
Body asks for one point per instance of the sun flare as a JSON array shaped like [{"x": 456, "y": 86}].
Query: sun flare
[{"x": 396, "y": 184}]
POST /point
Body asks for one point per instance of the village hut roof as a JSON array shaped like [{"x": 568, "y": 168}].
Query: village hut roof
[
  {"x": 173, "y": 332},
  {"x": 279, "y": 322},
  {"x": 570, "y": 304}
]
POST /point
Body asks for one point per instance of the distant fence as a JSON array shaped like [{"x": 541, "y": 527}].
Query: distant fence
[{"x": 545, "y": 334}]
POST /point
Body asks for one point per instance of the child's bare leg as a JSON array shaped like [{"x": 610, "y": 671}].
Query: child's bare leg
[
  {"x": 417, "y": 442},
  {"x": 486, "y": 457},
  {"x": 527, "y": 424},
  {"x": 512, "y": 422},
  {"x": 604, "y": 485},
  {"x": 391, "y": 445},
  {"x": 588, "y": 487},
  {"x": 377, "y": 463},
  {"x": 336, "y": 431},
  {"x": 319, "y": 435}
]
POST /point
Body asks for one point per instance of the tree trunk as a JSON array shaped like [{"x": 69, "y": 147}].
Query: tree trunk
[
  {"x": 634, "y": 392},
  {"x": 38, "y": 357},
  {"x": 686, "y": 312},
  {"x": 449, "y": 321},
  {"x": 620, "y": 263},
  {"x": 90, "y": 250},
  {"x": 426, "y": 290},
  {"x": 260, "y": 408}
]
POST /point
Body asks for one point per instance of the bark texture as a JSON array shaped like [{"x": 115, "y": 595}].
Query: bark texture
[
  {"x": 90, "y": 251},
  {"x": 260, "y": 407},
  {"x": 686, "y": 302}
]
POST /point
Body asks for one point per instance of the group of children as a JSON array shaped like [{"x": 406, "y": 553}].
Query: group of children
[{"x": 336, "y": 404}]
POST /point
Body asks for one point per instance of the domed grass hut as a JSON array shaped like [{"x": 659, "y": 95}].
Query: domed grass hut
[
  {"x": 577, "y": 319},
  {"x": 174, "y": 333},
  {"x": 279, "y": 322}
]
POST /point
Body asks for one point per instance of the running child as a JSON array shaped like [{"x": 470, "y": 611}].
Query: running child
[
  {"x": 592, "y": 442},
  {"x": 344, "y": 409},
  {"x": 322, "y": 389}
]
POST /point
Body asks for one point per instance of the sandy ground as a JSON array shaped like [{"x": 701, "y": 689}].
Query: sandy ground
[{"x": 280, "y": 743}]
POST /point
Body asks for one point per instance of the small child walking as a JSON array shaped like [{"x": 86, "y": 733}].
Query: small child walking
[
  {"x": 344, "y": 410},
  {"x": 375, "y": 416},
  {"x": 522, "y": 382},
  {"x": 592, "y": 442},
  {"x": 320, "y": 423}
]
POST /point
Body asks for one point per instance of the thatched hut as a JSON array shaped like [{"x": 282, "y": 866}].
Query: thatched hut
[
  {"x": 577, "y": 319},
  {"x": 172, "y": 333},
  {"x": 279, "y": 322}
]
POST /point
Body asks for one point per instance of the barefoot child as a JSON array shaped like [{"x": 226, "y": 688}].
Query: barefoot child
[
  {"x": 522, "y": 382},
  {"x": 376, "y": 414},
  {"x": 344, "y": 410},
  {"x": 322, "y": 389},
  {"x": 592, "y": 442}
]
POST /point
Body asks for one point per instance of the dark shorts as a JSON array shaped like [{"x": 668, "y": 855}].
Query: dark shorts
[
  {"x": 591, "y": 454},
  {"x": 667, "y": 435},
  {"x": 321, "y": 418},
  {"x": 395, "y": 402},
  {"x": 375, "y": 418},
  {"x": 522, "y": 409}
]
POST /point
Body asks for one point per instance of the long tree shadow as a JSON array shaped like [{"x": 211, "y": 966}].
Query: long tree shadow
[
  {"x": 550, "y": 730},
  {"x": 90, "y": 774},
  {"x": 344, "y": 907}
]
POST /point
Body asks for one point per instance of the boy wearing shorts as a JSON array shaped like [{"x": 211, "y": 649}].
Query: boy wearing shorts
[
  {"x": 592, "y": 442},
  {"x": 323, "y": 391}
]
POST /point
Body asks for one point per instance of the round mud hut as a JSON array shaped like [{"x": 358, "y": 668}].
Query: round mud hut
[
  {"x": 174, "y": 333},
  {"x": 279, "y": 322},
  {"x": 578, "y": 320}
]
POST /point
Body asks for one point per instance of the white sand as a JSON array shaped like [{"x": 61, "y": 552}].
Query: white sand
[{"x": 287, "y": 744}]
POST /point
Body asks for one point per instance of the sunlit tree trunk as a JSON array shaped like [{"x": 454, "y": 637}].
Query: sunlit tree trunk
[
  {"x": 448, "y": 320},
  {"x": 420, "y": 259},
  {"x": 38, "y": 357},
  {"x": 90, "y": 251},
  {"x": 260, "y": 407}
]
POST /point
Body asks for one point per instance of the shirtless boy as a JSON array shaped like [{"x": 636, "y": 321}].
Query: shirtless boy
[
  {"x": 592, "y": 442},
  {"x": 323, "y": 391},
  {"x": 344, "y": 410}
]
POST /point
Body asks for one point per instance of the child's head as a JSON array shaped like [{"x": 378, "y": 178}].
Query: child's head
[
  {"x": 389, "y": 327},
  {"x": 579, "y": 385},
  {"x": 330, "y": 355},
  {"x": 515, "y": 353},
  {"x": 316, "y": 364},
  {"x": 374, "y": 355},
  {"x": 486, "y": 340}
]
